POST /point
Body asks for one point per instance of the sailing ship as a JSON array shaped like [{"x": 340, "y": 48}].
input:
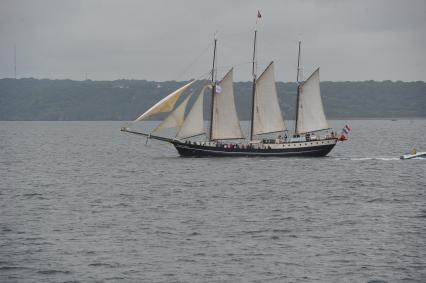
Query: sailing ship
[{"x": 224, "y": 137}]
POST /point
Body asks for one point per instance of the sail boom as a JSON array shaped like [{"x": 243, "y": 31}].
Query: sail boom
[
  {"x": 272, "y": 132},
  {"x": 314, "y": 131},
  {"x": 193, "y": 136},
  {"x": 243, "y": 138}
]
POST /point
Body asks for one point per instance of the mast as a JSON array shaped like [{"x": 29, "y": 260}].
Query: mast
[
  {"x": 213, "y": 90},
  {"x": 298, "y": 89},
  {"x": 14, "y": 59},
  {"x": 253, "y": 93}
]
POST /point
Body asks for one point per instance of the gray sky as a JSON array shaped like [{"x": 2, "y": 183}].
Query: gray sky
[{"x": 161, "y": 40}]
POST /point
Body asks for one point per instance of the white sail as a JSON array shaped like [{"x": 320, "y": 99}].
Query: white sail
[
  {"x": 267, "y": 116},
  {"x": 310, "y": 114},
  {"x": 194, "y": 122},
  {"x": 166, "y": 104},
  {"x": 225, "y": 119},
  {"x": 176, "y": 118}
]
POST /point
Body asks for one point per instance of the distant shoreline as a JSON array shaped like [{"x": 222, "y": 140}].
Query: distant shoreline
[
  {"x": 246, "y": 121},
  {"x": 124, "y": 100},
  {"x": 183, "y": 81}
]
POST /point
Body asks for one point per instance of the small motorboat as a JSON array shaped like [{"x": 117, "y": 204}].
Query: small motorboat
[{"x": 413, "y": 154}]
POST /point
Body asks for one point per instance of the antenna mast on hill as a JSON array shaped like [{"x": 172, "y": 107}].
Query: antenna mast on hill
[{"x": 14, "y": 59}]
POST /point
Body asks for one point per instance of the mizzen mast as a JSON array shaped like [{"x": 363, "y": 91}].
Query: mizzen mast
[{"x": 298, "y": 90}]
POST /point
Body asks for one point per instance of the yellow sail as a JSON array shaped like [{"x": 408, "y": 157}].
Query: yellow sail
[
  {"x": 166, "y": 104},
  {"x": 194, "y": 122},
  {"x": 176, "y": 118}
]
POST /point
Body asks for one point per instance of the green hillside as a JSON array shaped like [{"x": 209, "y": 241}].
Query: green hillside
[{"x": 33, "y": 99}]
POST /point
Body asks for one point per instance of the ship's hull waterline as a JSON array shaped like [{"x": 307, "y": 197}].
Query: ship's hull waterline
[
  {"x": 317, "y": 148},
  {"x": 302, "y": 149}
]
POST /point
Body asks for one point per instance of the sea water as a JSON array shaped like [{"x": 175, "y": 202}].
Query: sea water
[{"x": 84, "y": 202}]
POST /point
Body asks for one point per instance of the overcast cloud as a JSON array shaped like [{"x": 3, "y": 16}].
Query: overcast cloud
[{"x": 160, "y": 40}]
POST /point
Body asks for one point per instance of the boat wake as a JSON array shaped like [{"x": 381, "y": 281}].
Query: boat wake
[
  {"x": 376, "y": 158},
  {"x": 369, "y": 158},
  {"x": 379, "y": 158}
]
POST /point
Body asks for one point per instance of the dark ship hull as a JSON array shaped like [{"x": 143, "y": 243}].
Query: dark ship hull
[
  {"x": 315, "y": 148},
  {"x": 298, "y": 149}
]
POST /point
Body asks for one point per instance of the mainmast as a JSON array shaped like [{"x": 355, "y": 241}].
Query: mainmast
[
  {"x": 253, "y": 86},
  {"x": 298, "y": 89},
  {"x": 213, "y": 90}
]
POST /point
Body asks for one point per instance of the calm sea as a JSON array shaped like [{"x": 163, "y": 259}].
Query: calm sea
[{"x": 83, "y": 202}]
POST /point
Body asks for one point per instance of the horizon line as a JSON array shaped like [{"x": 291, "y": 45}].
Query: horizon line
[{"x": 124, "y": 79}]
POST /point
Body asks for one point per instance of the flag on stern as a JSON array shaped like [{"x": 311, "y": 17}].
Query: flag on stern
[
  {"x": 346, "y": 129},
  {"x": 345, "y": 133}
]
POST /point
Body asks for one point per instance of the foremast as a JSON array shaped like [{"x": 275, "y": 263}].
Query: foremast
[
  {"x": 224, "y": 122},
  {"x": 213, "y": 90}
]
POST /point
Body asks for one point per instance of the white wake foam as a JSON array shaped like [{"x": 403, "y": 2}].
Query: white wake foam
[{"x": 375, "y": 158}]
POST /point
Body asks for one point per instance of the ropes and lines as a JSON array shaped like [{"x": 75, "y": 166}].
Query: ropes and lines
[{"x": 185, "y": 70}]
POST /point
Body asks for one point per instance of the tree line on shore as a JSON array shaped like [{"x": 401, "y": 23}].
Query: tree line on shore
[{"x": 68, "y": 100}]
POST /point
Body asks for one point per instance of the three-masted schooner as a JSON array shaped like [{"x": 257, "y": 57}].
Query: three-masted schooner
[{"x": 312, "y": 136}]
